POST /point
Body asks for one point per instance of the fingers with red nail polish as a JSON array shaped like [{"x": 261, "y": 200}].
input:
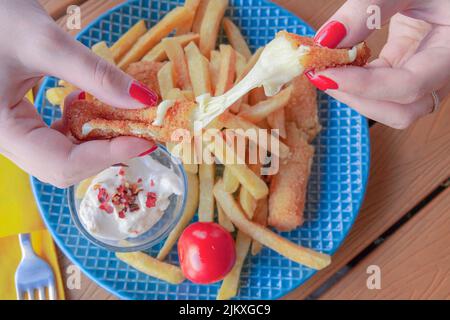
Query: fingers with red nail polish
[
  {"x": 331, "y": 34},
  {"x": 321, "y": 82},
  {"x": 143, "y": 94},
  {"x": 149, "y": 151}
]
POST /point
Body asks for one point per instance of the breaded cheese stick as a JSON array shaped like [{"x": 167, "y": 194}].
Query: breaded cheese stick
[
  {"x": 319, "y": 57},
  {"x": 288, "y": 186},
  {"x": 92, "y": 120}
]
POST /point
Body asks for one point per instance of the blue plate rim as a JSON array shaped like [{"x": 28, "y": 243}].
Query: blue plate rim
[{"x": 364, "y": 182}]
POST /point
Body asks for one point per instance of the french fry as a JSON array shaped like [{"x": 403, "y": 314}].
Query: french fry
[
  {"x": 176, "y": 94},
  {"x": 230, "y": 181},
  {"x": 166, "y": 80},
  {"x": 188, "y": 95},
  {"x": 201, "y": 10},
  {"x": 176, "y": 55},
  {"x": 263, "y": 109},
  {"x": 260, "y": 212},
  {"x": 230, "y": 283},
  {"x": 209, "y": 29},
  {"x": 231, "y": 121},
  {"x": 102, "y": 50},
  {"x": 214, "y": 68},
  {"x": 223, "y": 219},
  {"x": 176, "y": 149},
  {"x": 175, "y": 18},
  {"x": 152, "y": 267},
  {"x": 239, "y": 66},
  {"x": 198, "y": 70},
  {"x": 247, "y": 202},
  {"x": 240, "y": 74},
  {"x": 158, "y": 53},
  {"x": 236, "y": 39},
  {"x": 241, "y": 63},
  {"x": 82, "y": 187},
  {"x": 193, "y": 6},
  {"x": 260, "y": 217},
  {"x": 256, "y": 95},
  {"x": 276, "y": 120},
  {"x": 57, "y": 95},
  {"x": 125, "y": 42},
  {"x": 247, "y": 178},
  {"x": 290, "y": 250},
  {"x": 206, "y": 174},
  {"x": 191, "y": 167},
  {"x": 251, "y": 63},
  {"x": 227, "y": 69},
  {"x": 244, "y": 107},
  {"x": 189, "y": 158},
  {"x": 189, "y": 211}
]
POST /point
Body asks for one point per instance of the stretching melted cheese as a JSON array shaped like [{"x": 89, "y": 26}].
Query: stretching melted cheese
[{"x": 279, "y": 63}]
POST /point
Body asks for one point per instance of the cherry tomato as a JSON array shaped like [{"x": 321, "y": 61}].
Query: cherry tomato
[{"x": 206, "y": 252}]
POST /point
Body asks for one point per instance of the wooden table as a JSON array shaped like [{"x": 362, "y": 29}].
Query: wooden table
[{"x": 403, "y": 227}]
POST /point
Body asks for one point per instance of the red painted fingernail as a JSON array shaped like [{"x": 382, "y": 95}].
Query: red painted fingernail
[
  {"x": 321, "y": 82},
  {"x": 331, "y": 34},
  {"x": 82, "y": 95},
  {"x": 149, "y": 151},
  {"x": 143, "y": 94}
]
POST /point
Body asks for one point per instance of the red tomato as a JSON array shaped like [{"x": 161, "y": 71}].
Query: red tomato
[{"x": 206, "y": 252}]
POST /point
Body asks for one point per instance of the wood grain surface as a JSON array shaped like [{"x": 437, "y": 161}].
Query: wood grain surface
[
  {"x": 414, "y": 262},
  {"x": 405, "y": 167},
  {"x": 90, "y": 10},
  {"x": 58, "y": 8}
]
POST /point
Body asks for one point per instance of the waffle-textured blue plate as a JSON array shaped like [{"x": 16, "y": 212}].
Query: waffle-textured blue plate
[{"x": 335, "y": 193}]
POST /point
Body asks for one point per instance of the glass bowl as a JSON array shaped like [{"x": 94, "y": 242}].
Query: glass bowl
[{"x": 157, "y": 232}]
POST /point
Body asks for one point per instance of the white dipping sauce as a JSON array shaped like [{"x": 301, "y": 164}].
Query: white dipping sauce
[{"x": 124, "y": 202}]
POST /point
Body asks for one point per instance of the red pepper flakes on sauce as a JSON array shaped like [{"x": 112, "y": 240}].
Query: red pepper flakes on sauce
[
  {"x": 122, "y": 214},
  {"x": 151, "y": 200}
]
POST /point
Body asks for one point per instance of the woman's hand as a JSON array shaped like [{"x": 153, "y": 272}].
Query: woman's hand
[
  {"x": 33, "y": 46},
  {"x": 396, "y": 88}
]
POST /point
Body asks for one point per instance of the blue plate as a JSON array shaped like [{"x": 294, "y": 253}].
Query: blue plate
[{"x": 335, "y": 193}]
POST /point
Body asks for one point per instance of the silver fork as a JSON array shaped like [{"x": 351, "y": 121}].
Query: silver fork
[{"x": 33, "y": 274}]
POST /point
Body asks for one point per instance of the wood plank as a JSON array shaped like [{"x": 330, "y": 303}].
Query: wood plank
[
  {"x": 58, "y": 8},
  {"x": 316, "y": 12},
  {"x": 90, "y": 10},
  {"x": 414, "y": 262},
  {"x": 88, "y": 290},
  {"x": 405, "y": 167}
]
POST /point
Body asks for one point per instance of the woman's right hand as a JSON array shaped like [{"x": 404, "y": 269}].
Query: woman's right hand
[{"x": 396, "y": 88}]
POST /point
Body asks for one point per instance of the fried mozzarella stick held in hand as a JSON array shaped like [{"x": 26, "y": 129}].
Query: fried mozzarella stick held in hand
[
  {"x": 283, "y": 59},
  {"x": 93, "y": 120}
]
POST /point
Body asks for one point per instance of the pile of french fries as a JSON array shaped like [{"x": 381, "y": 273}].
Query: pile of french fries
[{"x": 186, "y": 41}]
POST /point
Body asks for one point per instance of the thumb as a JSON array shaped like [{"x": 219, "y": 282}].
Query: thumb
[
  {"x": 349, "y": 25},
  {"x": 68, "y": 59}
]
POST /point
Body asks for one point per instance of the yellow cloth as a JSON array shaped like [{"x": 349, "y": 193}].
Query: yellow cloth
[
  {"x": 18, "y": 214},
  {"x": 10, "y": 256}
]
